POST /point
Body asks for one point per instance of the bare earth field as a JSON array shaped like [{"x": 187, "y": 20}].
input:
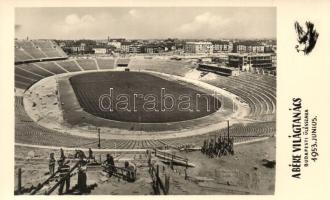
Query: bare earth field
[
  {"x": 243, "y": 173},
  {"x": 133, "y": 93}
]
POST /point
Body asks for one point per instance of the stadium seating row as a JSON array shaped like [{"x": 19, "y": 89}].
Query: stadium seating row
[
  {"x": 27, "y": 50},
  {"x": 39, "y": 70},
  {"x": 29, "y": 132},
  {"x": 122, "y": 62},
  {"x": 241, "y": 133},
  {"x": 259, "y": 92},
  {"x": 170, "y": 67}
]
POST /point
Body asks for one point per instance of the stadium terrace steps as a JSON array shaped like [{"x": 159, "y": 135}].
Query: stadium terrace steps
[
  {"x": 60, "y": 51},
  {"x": 23, "y": 79},
  {"x": 48, "y": 49},
  {"x": 28, "y": 132},
  {"x": 260, "y": 95},
  {"x": 69, "y": 65},
  {"x": 267, "y": 89},
  {"x": 122, "y": 62},
  {"x": 106, "y": 63},
  {"x": 21, "y": 55},
  {"x": 21, "y": 85},
  {"x": 34, "y": 68},
  {"x": 27, "y": 73},
  {"x": 169, "y": 67},
  {"x": 266, "y": 79},
  {"x": 52, "y": 67},
  {"x": 60, "y": 66},
  {"x": 27, "y": 50},
  {"x": 241, "y": 132},
  {"x": 21, "y": 115},
  {"x": 259, "y": 91},
  {"x": 29, "y": 47},
  {"x": 87, "y": 64}
]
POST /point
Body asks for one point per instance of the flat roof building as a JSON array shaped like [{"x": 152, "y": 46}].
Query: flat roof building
[
  {"x": 198, "y": 47},
  {"x": 222, "y": 46},
  {"x": 217, "y": 69},
  {"x": 254, "y": 60}
]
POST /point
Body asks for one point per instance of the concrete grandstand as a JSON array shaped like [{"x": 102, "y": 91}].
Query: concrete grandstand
[
  {"x": 53, "y": 109},
  {"x": 258, "y": 91}
]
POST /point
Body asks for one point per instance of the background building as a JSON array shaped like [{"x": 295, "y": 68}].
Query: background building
[
  {"x": 254, "y": 60},
  {"x": 198, "y": 47},
  {"x": 100, "y": 50},
  {"x": 250, "y": 46},
  {"x": 125, "y": 47},
  {"x": 222, "y": 46}
]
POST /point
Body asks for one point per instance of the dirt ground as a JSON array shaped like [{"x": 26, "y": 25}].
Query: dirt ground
[{"x": 246, "y": 172}]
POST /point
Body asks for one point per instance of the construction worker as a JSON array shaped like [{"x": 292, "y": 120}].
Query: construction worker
[
  {"x": 210, "y": 149},
  {"x": 62, "y": 157},
  {"x": 64, "y": 175},
  {"x": 109, "y": 165},
  {"x": 79, "y": 153},
  {"x": 226, "y": 147},
  {"x": 82, "y": 177},
  {"x": 90, "y": 155},
  {"x": 218, "y": 147},
  {"x": 204, "y": 147},
  {"x": 51, "y": 163},
  {"x": 131, "y": 171},
  {"x": 149, "y": 157},
  {"x": 221, "y": 146},
  {"x": 231, "y": 146}
]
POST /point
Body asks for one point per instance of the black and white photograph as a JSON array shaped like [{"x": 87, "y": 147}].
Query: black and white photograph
[{"x": 145, "y": 100}]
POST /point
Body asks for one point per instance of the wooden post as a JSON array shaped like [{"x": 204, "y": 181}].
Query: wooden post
[
  {"x": 19, "y": 181},
  {"x": 167, "y": 184},
  {"x": 99, "y": 134},
  {"x": 157, "y": 171},
  {"x": 157, "y": 177},
  {"x": 228, "y": 129},
  {"x": 185, "y": 174},
  {"x": 171, "y": 164},
  {"x": 149, "y": 158}
]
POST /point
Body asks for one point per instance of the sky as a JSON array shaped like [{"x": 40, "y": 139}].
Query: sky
[{"x": 145, "y": 23}]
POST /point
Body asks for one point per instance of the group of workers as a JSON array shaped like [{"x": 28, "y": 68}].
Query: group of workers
[
  {"x": 64, "y": 170},
  {"x": 128, "y": 172},
  {"x": 218, "y": 147}
]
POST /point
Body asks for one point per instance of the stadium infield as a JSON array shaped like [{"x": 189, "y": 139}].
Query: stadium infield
[
  {"x": 67, "y": 116},
  {"x": 140, "y": 97},
  {"x": 75, "y": 115}
]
